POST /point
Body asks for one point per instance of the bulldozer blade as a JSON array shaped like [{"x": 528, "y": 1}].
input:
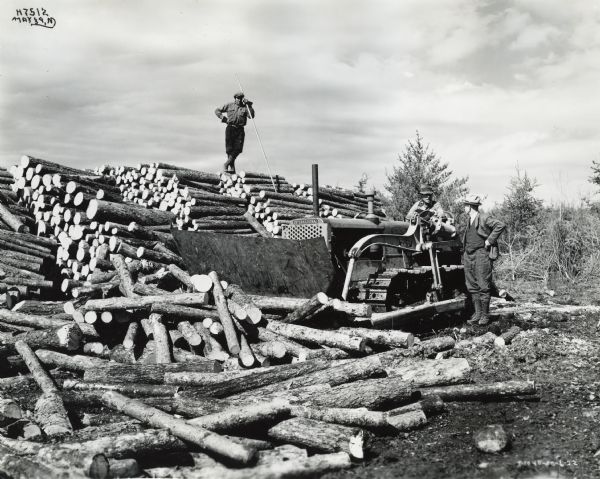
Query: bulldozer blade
[{"x": 278, "y": 267}]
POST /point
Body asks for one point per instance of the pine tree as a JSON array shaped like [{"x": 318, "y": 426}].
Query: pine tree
[{"x": 419, "y": 164}]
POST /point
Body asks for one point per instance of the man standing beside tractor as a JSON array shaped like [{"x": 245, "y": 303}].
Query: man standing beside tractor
[
  {"x": 480, "y": 250},
  {"x": 235, "y": 114}
]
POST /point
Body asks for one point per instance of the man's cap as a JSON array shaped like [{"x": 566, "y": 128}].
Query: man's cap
[
  {"x": 473, "y": 200},
  {"x": 239, "y": 94},
  {"x": 425, "y": 189}
]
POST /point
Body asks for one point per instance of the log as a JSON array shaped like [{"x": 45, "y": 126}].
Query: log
[
  {"x": 204, "y": 439},
  {"x": 246, "y": 355},
  {"x": 130, "y": 339},
  {"x": 433, "y": 372},
  {"x": 109, "y": 304},
  {"x": 76, "y": 463},
  {"x": 293, "y": 348},
  {"x": 337, "y": 372},
  {"x": 320, "y": 435},
  {"x": 138, "y": 390},
  {"x": 39, "y": 308},
  {"x": 67, "y": 337},
  {"x": 12, "y": 221},
  {"x": 126, "y": 283},
  {"x": 405, "y": 317},
  {"x": 430, "y": 405},
  {"x": 236, "y": 294},
  {"x": 318, "y": 336},
  {"x": 276, "y": 303},
  {"x": 147, "y": 442},
  {"x": 362, "y": 310},
  {"x": 280, "y": 454},
  {"x": 230, "y": 334},
  {"x": 407, "y": 421},
  {"x": 165, "y": 257},
  {"x": 482, "y": 392},
  {"x": 9, "y": 412},
  {"x": 76, "y": 362},
  {"x": 27, "y": 319},
  {"x": 369, "y": 393},
  {"x": 182, "y": 276},
  {"x": 307, "y": 309},
  {"x": 125, "y": 213},
  {"x": 184, "y": 313},
  {"x": 245, "y": 416},
  {"x": 382, "y": 337},
  {"x": 271, "y": 349},
  {"x": 144, "y": 373},
  {"x": 202, "y": 282},
  {"x": 358, "y": 417},
  {"x": 50, "y": 411},
  {"x": 256, "y": 225},
  {"x": 161, "y": 339},
  {"x": 124, "y": 468},
  {"x": 258, "y": 378},
  {"x": 190, "y": 334},
  {"x": 19, "y": 467}
]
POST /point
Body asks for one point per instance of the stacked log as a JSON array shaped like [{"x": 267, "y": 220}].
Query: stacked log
[{"x": 157, "y": 362}]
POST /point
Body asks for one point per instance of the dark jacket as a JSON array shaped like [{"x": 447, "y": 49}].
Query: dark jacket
[{"x": 487, "y": 227}]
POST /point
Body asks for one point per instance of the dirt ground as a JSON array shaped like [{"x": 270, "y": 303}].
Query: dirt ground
[{"x": 556, "y": 437}]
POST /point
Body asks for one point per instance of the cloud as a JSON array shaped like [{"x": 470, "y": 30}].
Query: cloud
[{"x": 342, "y": 84}]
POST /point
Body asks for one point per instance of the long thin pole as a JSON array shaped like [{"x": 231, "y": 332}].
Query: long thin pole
[{"x": 257, "y": 136}]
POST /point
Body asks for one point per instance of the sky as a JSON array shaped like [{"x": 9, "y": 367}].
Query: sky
[{"x": 492, "y": 86}]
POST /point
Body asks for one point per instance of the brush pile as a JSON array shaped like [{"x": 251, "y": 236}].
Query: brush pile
[{"x": 148, "y": 371}]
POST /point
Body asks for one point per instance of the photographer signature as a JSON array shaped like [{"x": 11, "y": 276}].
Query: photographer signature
[{"x": 34, "y": 17}]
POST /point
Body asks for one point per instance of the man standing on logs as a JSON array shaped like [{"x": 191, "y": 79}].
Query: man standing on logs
[
  {"x": 235, "y": 114},
  {"x": 480, "y": 250}
]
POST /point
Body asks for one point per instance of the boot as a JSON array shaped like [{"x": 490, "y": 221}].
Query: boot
[
  {"x": 484, "y": 299},
  {"x": 476, "y": 316}
]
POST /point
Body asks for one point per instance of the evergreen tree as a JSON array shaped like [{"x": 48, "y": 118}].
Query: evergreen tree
[{"x": 419, "y": 164}]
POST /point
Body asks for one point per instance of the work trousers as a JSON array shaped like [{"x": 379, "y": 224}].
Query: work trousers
[
  {"x": 234, "y": 140},
  {"x": 478, "y": 271}
]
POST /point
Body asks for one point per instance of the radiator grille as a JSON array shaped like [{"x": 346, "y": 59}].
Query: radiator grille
[{"x": 306, "y": 228}]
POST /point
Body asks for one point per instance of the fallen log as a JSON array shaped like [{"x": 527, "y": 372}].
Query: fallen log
[
  {"x": 406, "y": 317},
  {"x": 233, "y": 344},
  {"x": 109, "y": 304},
  {"x": 308, "y": 308},
  {"x": 433, "y": 372},
  {"x": 67, "y": 337},
  {"x": 178, "y": 427},
  {"x": 145, "y": 373},
  {"x": 481, "y": 392},
  {"x": 137, "y": 390},
  {"x": 318, "y": 336},
  {"x": 359, "y": 417},
  {"x": 126, "y": 283},
  {"x": 380, "y": 337},
  {"x": 236, "y": 294},
  {"x": 320, "y": 435},
  {"x": 73, "y": 363},
  {"x": 244, "y": 416},
  {"x": 50, "y": 411},
  {"x": 125, "y": 213}
]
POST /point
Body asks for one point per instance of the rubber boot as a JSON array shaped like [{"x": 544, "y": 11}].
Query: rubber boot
[
  {"x": 476, "y": 316},
  {"x": 484, "y": 299}
]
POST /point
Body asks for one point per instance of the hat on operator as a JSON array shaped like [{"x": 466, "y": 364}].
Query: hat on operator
[{"x": 239, "y": 94}]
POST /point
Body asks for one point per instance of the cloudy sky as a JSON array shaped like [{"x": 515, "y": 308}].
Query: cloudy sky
[{"x": 491, "y": 85}]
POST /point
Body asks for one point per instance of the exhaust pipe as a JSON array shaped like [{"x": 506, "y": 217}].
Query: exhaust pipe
[
  {"x": 315, "y": 189},
  {"x": 371, "y": 216}
]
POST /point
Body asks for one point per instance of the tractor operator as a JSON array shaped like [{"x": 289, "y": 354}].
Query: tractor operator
[
  {"x": 426, "y": 203},
  {"x": 235, "y": 114},
  {"x": 480, "y": 250}
]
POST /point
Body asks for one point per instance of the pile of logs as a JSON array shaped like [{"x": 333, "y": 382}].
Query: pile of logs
[
  {"x": 274, "y": 208},
  {"x": 144, "y": 370}
]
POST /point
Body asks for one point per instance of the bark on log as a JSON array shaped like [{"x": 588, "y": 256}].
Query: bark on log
[
  {"x": 276, "y": 303},
  {"x": 293, "y": 348},
  {"x": 67, "y": 337},
  {"x": 189, "y": 333},
  {"x": 73, "y": 363},
  {"x": 369, "y": 393},
  {"x": 126, "y": 283},
  {"x": 19, "y": 467},
  {"x": 182, "y": 276},
  {"x": 130, "y": 339},
  {"x": 255, "y": 380},
  {"x": 271, "y": 349},
  {"x": 482, "y": 392},
  {"x": 125, "y": 213},
  {"x": 75, "y": 463},
  {"x": 433, "y": 372},
  {"x": 236, "y": 294},
  {"x": 180, "y": 312},
  {"x": 407, "y": 421},
  {"x": 230, "y": 334},
  {"x": 148, "y": 442},
  {"x": 109, "y": 304},
  {"x": 144, "y": 373},
  {"x": 9, "y": 412},
  {"x": 161, "y": 339},
  {"x": 321, "y": 436},
  {"x": 11, "y": 220},
  {"x": 159, "y": 256},
  {"x": 430, "y": 405},
  {"x": 402, "y": 318},
  {"x": 318, "y": 336},
  {"x": 256, "y": 225},
  {"x": 27, "y": 319},
  {"x": 380, "y": 337},
  {"x": 240, "y": 417},
  {"x": 178, "y": 427},
  {"x": 137, "y": 390},
  {"x": 359, "y": 417},
  {"x": 307, "y": 309},
  {"x": 362, "y": 310}
]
